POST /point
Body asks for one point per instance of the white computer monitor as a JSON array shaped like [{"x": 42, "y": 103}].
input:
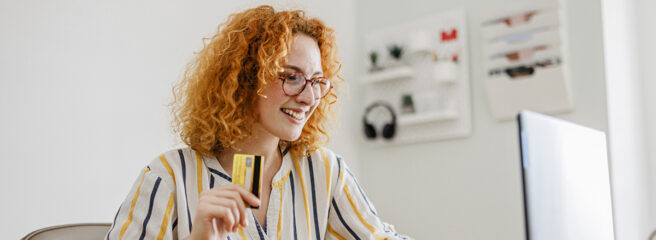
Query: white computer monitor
[{"x": 566, "y": 183}]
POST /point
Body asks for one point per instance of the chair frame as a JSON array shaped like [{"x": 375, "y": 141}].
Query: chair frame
[{"x": 45, "y": 229}]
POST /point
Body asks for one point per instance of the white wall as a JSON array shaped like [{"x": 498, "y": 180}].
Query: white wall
[
  {"x": 646, "y": 39},
  {"x": 83, "y": 93},
  {"x": 470, "y": 188}
]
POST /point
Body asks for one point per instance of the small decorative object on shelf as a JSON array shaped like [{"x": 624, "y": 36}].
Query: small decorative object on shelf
[
  {"x": 407, "y": 105},
  {"x": 373, "y": 57},
  {"x": 420, "y": 42},
  {"x": 396, "y": 51},
  {"x": 451, "y": 35},
  {"x": 446, "y": 70}
]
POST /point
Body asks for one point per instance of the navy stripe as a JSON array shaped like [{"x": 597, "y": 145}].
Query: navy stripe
[
  {"x": 226, "y": 177},
  {"x": 361, "y": 192},
  {"x": 175, "y": 224},
  {"x": 150, "y": 208},
  {"x": 284, "y": 152},
  {"x": 265, "y": 225},
  {"x": 211, "y": 181},
  {"x": 184, "y": 182},
  {"x": 341, "y": 219},
  {"x": 339, "y": 167},
  {"x": 259, "y": 229},
  {"x": 387, "y": 230},
  {"x": 110, "y": 229},
  {"x": 291, "y": 182},
  {"x": 314, "y": 199}
]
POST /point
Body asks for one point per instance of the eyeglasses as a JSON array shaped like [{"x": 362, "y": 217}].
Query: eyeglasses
[{"x": 294, "y": 83}]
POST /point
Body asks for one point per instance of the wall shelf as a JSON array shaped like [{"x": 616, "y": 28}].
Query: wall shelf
[
  {"x": 440, "y": 93},
  {"x": 421, "y": 118},
  {"x": 389, "y": 74}
]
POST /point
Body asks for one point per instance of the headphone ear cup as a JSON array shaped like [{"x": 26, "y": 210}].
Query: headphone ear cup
[
  {"x": 389, "y": 130},
  {"x": 369, "y": 131}
]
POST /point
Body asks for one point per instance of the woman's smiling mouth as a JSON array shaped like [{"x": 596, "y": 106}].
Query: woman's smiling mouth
[{"x": 295, "y": 115}]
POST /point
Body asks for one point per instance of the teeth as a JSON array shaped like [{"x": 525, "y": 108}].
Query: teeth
[{"x": 295, "y": 115}]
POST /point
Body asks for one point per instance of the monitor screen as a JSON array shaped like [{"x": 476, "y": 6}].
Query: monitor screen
[{"x": 566, "y": 181}]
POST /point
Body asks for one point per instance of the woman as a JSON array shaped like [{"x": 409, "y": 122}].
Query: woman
[{"x": 263, "y": 85}]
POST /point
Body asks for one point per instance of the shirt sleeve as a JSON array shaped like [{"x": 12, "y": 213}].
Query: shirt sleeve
[
  {"x": 352, "y": 215},
  {"x": 148, "y": 210}
]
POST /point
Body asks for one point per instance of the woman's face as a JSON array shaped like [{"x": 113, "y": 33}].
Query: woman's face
[{"x": 284, "y": 116}]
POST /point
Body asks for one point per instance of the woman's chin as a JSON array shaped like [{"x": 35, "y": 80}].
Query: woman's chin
[{"x": 290, "y": 137}]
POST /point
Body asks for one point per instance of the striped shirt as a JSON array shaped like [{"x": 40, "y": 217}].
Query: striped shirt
[{"x": 312, "y": 197}]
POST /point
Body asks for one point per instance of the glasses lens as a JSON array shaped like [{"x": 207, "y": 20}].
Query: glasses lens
[
  {"x": 294, "y": 84},
  {"x": 321, "y": 86}
]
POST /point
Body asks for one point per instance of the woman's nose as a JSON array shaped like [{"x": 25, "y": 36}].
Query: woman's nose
[{"x": 307, "y": 96}]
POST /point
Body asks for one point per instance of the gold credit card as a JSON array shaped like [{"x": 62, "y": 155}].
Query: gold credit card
[{"x": 247, "y": 172}]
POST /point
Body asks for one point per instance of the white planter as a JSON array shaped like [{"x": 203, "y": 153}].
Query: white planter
[{"x": 445, "y": 72}]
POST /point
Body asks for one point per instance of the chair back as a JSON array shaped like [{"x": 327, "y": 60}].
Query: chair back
[{"x": 77, "y": 231}]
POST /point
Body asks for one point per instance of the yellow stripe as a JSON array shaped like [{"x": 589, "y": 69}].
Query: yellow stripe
[
  {"x": 341, "y": 179},
  {"x": 279, "y": 184},
  {"x": 199, "y": 173},
  {"x": 167, "y": 166},
  {"x": 134, "y": 202},
  {"x": 327, "y": 167},
  {"x": 280, "y": 212},
  {"x": 307, "y": 209},
  {"x": 167, "y": 216},
  {"x": 355, "y": 209},
  {"x": 330, "y": 230},
  {"x": 241, "y": 233},
  {"x": 282, "y": 180}
]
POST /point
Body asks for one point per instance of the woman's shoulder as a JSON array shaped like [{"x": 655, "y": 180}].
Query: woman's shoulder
[
  {"x": 170, "y": 164},
  {"x": 174, "y": 157},
  {"x": 179, "y": 154},
  {"x": 326, "y": 157}
]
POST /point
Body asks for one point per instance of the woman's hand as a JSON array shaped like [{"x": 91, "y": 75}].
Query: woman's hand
[{"x": 225, "y": 206}]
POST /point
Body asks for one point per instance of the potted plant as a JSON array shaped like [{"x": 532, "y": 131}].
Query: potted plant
[
  {"x": 373, "y": 57},
  {"x": 407, "y": 104},
  {"x": 396, "y": 51}
]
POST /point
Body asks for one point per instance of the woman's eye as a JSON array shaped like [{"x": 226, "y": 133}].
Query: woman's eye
[
  {"x": 294, "y": 78},
  {"x": 323, "y": 81}
]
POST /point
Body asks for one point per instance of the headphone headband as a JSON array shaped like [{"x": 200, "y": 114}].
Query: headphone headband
[
  {"x": 380, "y": 104},
  {"x": 388, "y": 130}
]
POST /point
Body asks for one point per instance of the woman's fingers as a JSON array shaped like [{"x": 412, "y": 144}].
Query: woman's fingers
[
  {"x": 223, "y": 215},
  {"x": 234, "y": 197},
  {"x": 223, "y": 208},
  {"x": 247, "y": 196},
  {"x": 233, "y": 201},
  {"x": 240, "y": 195}
]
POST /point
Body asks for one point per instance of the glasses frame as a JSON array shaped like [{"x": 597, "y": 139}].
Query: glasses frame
[{"x": 283, "y": 76}]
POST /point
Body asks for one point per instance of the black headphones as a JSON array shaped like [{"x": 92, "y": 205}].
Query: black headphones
[{"x": 388, "y": 130}]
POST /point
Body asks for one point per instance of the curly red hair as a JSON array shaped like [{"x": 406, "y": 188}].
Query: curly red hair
[{"x": 213, "y": 106}]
